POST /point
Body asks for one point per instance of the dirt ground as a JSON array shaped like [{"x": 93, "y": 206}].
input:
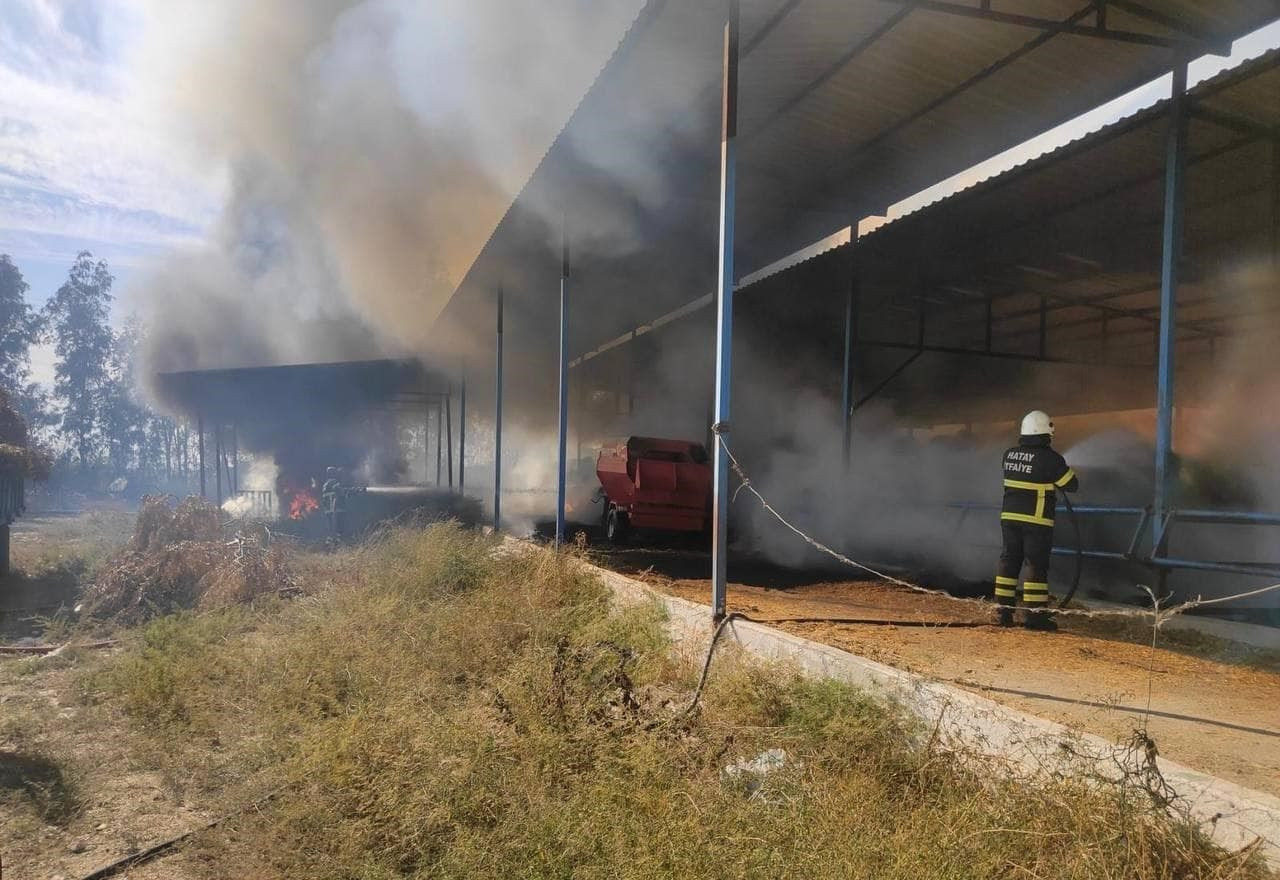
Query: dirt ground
[
  {"x": 73, "y": 793},
  {"x": 1214, "y": 706},
  {"x": 76, "y": 791}
]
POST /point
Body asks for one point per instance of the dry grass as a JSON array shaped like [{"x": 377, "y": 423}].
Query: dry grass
[
  {"x": 177, "y": 559},
  {"x": 443, "y": 710},
  {"x": 73, "y": 547}
]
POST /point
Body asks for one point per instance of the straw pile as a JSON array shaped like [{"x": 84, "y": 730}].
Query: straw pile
[{"x": 178, "y": 559}]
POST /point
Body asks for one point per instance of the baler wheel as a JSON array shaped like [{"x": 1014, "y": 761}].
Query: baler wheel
[{"x": 617, "y": 527}]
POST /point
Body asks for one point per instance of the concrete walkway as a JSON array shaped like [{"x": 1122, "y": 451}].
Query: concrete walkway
[{"x": 1234, "y": 816}]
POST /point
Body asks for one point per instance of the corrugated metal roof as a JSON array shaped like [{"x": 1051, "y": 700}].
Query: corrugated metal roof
[
  {"x": 1081, "y": 227},
  {"x": 845, "y": 108}
]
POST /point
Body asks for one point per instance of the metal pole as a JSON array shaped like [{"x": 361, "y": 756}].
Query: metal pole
[
  {"x": 1175, "y": 164},
  {"x": 724, "y": 312},
  {"x": 846, "y": 381},
  {"x": 217, "y": 462},
  {"x": 439, "y": 448},
  {"x": 200, "y": 427},
  {"x": 462, "y": 432},
  {"x": 497, "y": 423},
  {"x": 235, "y": 460},
  {"x": 448, "y": 431},
  {"x": 562, "y": 449}
]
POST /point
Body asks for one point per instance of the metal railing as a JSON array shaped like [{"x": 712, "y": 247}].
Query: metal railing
[
  {"x": 261, "y": 503},
  {"x": 1149, "y": 540}
]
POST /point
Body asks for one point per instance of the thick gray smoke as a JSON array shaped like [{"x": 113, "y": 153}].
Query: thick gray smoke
[{"x": 371, "y": 146}]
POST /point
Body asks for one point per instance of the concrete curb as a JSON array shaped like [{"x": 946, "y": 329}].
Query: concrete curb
[{"x": 1232, "y": 815}]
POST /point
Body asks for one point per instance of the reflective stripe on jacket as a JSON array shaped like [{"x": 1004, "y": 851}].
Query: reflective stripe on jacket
[{"x": 1032, "y": 475}]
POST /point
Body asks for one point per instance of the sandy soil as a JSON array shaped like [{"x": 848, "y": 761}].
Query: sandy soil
[
  {"x": 75, "y": 791},
  {"x": 73, "y": 794},
  {"x": 1216, "y": 716}
]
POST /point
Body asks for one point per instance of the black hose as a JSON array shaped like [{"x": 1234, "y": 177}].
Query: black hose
[{"x": 1075, "y": 526}]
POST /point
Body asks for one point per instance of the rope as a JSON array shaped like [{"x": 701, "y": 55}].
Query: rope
[{"x": 1156, "y": 616}]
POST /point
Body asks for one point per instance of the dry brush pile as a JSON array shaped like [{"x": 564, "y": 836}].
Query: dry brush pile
[
  {"x": 446, "y": 710},
  {"x": 178, "y": 558}
]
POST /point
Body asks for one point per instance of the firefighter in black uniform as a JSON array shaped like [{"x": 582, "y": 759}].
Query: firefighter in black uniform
[
  {"x": 1033, "y": 473},
  {"x": 333, "y": 500}
]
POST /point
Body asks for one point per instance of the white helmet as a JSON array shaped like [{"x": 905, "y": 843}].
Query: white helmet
[{"x": 1036, "y": 423}]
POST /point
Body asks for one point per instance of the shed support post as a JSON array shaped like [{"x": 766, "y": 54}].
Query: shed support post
[
  {"x": 4, "y": 549},
  {"x": 563, "y": 439},
  {"x": 724, "y": 312},
  {"x": 217, "y": 462},
  {"x": 200, "y": 451},
  {"x": 497, "y": 422},
  {"x": 448, "y": 433},
  {"x": 850, "y": 336},
  {"x": 439, "y": 448},
  {"x": 462, "y": 431},
  {"x": 235, "y": 460},
  {"x": 1175, "y": 167}
]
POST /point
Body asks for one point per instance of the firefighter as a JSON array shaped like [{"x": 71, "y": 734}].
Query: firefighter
[
  {"x": 332, "y": 500},
  {"x": 1033, "y": 473}
]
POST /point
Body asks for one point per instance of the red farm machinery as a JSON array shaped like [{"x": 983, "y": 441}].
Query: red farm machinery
[{"x": 653, "y": 484}]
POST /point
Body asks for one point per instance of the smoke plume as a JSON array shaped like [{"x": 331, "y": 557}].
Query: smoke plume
[{"x": 370, "y": 148}]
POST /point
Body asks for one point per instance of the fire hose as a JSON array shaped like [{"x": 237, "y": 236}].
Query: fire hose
[{"x": 1075, "y": 527}]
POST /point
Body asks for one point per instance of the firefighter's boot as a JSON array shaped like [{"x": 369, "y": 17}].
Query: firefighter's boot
[
  {"x": 1040, "y": 620},
  {"x": 1004, "y": 617}
]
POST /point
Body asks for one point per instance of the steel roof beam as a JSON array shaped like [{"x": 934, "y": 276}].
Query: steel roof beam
[
  {"x": 1234, "y": 122},
  {"x": 768, "y": 27},
  {"x": 1048, "y": 24},
  {"x": 947, "y": 96},
  {"x": 975, "y": 352},
  {"x": 831, "y": 72},
  {"x": 1202, "y": 92},
  {"x": 1200, "y": 31},
  {"x": 993, "y": 234}
]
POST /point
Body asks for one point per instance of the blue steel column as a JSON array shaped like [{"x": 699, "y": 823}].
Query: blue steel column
[
  {"x": 1175, "y": 166},
  {"x": 204, "y": 493},
  {"x": 724, "y": 312},
  {"x": 846, "y": 382},
  {"x": 564, "y": 381},
  {"x": 497, "y": 424}
]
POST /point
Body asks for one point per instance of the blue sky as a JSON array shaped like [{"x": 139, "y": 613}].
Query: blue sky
[{"x": 87, "y": 160}]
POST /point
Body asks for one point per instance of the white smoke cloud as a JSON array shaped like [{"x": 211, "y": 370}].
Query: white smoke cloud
[{"x": 372, "y": 146}]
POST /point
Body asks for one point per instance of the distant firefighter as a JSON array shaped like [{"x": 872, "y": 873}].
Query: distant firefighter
[
  {"x": 333, "y": 500},
  {"x": 1033, "y": 473}
]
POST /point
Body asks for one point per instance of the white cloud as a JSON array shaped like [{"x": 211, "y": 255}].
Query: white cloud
[{"x": 86, "y": 159}]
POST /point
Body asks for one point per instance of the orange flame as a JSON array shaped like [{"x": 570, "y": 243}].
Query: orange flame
[{"x": 303, "y": 503}]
